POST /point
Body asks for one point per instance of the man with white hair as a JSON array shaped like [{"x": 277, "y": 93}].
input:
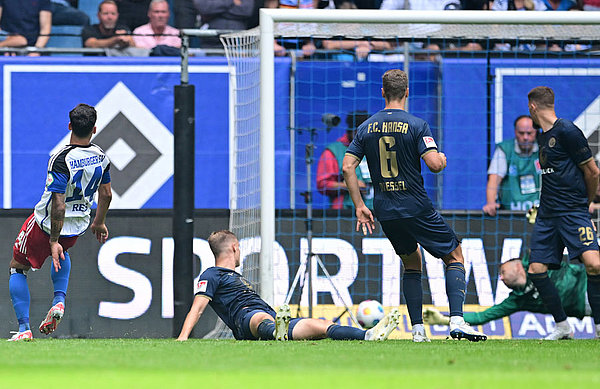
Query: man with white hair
[{"x": 157, "y": 32}]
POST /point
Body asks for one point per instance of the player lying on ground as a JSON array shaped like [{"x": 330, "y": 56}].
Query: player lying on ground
[
  {"x": 394, "y": 142},
  {"x": 249, "y": 316},
  {"x": 570, "y": 280},
  {"x": 75, "y": 174}
]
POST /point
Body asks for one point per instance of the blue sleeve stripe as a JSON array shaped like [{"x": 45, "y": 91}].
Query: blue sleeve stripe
[
  {"x": 59, "y": 183},
  {"x": 105, "y": 177}
]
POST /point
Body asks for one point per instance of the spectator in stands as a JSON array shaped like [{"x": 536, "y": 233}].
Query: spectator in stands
[
  {"x": 65, "y": 13},
  {"x": 560, "y": 5},
  {"x": 225, "y": 14},
  {"x": 133, "y": 13},
  {"x": 514, "y": 172},
  {"x": 27, "y": 22},
  {"x": 281, "y": 46},
  {"x": 518, "y": 5},
  {"x": 107, "y": 33},
  {"x": 186, "y": 14},
  {"x": 330, "y": 179},
  {"x": 157, "y": 34},
  {"x": 591, "y": 5}
]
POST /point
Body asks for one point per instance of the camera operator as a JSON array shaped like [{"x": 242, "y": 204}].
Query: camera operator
[{"x": 330, "y": 179}]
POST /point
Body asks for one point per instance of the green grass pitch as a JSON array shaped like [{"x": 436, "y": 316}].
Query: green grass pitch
[{"x": 165, "y": 363}]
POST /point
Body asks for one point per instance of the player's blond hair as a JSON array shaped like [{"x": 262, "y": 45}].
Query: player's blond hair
[{"x": 219, "y": 240}]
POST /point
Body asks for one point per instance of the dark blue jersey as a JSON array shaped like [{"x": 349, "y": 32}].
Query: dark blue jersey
[
  {"x": 563, "y": 149},
  {"x": 393, "y": 142},
  {"x": 231, "y": 296}
]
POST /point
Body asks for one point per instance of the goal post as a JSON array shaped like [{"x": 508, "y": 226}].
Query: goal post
[{"x": 456, "y": 107}]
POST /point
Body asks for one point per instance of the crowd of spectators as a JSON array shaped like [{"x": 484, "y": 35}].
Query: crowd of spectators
[{"x": 127, "y": 24}]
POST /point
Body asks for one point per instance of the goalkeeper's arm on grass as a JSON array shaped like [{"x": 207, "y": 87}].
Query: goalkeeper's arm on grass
[{"x": 507, "y": 307}]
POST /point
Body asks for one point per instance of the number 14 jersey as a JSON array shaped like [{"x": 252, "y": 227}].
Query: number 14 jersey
[{"x": 77, "y": 171}]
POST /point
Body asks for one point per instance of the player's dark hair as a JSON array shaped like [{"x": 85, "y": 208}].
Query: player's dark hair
[
  {"x": 395, "y": 83},
  {"x": 218, "y": 239},
  {"x": 542, "y": 95},
  {"x": 356, "y": 118},
  {"x": 519, "y": 118},
  {"x": 83, "y": 119},
  {"x": 113, "y": 2}
]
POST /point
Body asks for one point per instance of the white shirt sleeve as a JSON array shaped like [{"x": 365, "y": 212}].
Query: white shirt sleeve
[
  {"x": 498, "y": 163},
  {"x": 392, "y": 4}
]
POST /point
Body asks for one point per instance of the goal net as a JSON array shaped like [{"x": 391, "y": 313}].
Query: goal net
[{"x": 469, "y": 75}]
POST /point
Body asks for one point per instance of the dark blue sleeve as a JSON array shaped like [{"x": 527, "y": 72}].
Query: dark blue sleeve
[
  {"x": 425, "y": 141},
  {"x": 356, "y": 147},
  {"x": 57, "y": 182},
  {"x": 45, "y": 5},
  {"x": 207, "y": 284},
  {"x": 106, "y": 175},
  {"x": 575, "y": 144}
]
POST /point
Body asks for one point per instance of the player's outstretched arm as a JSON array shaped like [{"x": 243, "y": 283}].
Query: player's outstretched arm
[
  {"x": 198, "y": 307},
  {"x": 98, "y": 225},
  {"x": 435, "y": 161}
]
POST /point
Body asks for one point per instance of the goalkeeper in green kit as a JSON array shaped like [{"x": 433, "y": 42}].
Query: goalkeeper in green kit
[{"x": 570, "y": 280}]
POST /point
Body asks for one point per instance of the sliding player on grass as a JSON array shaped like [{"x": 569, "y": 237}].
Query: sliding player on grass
[
  {"x": 75, "y": 174},
  {"x": 570, "y": 281},
  {"x": 249, "y": 316},
  {"x": 394, "y": 141}
]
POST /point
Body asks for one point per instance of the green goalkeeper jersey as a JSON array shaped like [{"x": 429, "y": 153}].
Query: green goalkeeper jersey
[{"x": 570, "y": 280}]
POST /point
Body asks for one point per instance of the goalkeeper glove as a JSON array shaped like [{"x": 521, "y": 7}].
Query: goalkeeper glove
[
  {"x": 532, "y": 214},
  {"x": 432, "y": 316}
]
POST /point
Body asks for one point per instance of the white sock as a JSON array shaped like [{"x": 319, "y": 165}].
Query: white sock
[
  {"x": 457, "y": 320},
  {"x": 563, "y": 325},
  {"x": 420, "y": 328}
]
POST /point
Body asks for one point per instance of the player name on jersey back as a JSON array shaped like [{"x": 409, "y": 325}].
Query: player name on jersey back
[{"x": 387, "y": 127}]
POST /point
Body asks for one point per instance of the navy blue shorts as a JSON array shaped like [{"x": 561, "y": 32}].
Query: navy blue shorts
[
  {"x": 429, "y": 230},
  {"x": 246, "y": 334},
  {"x": 551, "y": 235}
]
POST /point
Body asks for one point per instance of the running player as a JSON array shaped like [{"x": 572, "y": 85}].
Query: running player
[
  {"x": 249, "y": 316},
  {"x": 393, "y": 142},
  {"x": 75, "y": 174},
  {"x": 569, "y": 183}
]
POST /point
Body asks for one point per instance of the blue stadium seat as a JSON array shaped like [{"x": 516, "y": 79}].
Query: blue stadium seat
[
  {"x": 65, "y": 41},
  {"x": 90, "y": 7}
]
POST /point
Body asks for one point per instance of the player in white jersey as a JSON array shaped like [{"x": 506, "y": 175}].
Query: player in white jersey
[{"x": 75, "y": 174}]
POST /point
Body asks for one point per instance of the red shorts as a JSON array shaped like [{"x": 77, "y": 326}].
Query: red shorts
[{"x": 32, "y": 246}]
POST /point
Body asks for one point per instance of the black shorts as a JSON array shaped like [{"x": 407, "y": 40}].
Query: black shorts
[
  {"x": 552, "y": 234},
  {"x": 429, "y": 230}
]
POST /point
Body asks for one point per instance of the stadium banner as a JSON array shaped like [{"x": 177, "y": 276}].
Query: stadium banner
[
  {"x": 134, "y": 100},
  {"x": 134, "y": 97},
  {"x": 124, "y": 288}
]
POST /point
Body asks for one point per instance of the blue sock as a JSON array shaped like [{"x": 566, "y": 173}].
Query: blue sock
[
  {"x": 413, "y": 294},
  {"x": 549, "y": 295},
  {"x": 265, "y": 329},
  {"x": 19, "y": 293},
  {"x": 455, "y": 287},
  {"x": 60, "y": 280},
  {"x": 593, "y": 290},
  {"x": 337, "y": 332}
]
